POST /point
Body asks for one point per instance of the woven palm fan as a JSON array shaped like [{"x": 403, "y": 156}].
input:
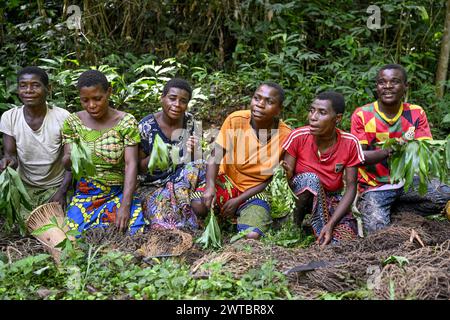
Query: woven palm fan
[{"x": 40, "y": 217}]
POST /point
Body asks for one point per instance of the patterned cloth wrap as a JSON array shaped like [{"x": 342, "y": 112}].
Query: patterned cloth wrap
[
  {"x": 97, "y": 199},
  {"x": 324, "y": 205},
  {"x": 253, "y": 213},
  {"x": 96, "y": 204},
  {"x": 168, "y": 207}
]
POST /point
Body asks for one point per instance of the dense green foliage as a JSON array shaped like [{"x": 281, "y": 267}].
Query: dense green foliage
[
  {"x": 226, "y": 48},
  {"x": 114, "y": 275}
]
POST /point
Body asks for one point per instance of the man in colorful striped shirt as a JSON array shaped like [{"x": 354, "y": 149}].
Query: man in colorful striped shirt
[{"x": 390, "y": 117}]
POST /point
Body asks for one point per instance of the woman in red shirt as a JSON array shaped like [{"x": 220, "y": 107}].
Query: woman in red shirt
[{"x": 315, "y": 160}]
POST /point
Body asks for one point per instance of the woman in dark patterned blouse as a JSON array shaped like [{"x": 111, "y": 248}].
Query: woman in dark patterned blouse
[{"x": 165, "y": 195}]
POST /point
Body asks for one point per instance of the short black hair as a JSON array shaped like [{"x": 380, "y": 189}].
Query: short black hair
[
  {"x": 396, "y": 67},
  {"x": 277, "y": 87},
  {"x": 91, "y": 78},
  {"x": 337, "y": 100},
  {"x": 177, "y": 83},
  {"x": 43, "y": 76}
]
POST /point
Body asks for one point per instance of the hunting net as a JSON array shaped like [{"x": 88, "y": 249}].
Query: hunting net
[
  {"x": 373, "y": 263},
  {"x": 367, "y": 263}
]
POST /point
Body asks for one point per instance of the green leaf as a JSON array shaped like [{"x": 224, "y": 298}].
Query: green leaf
[
  {"x": 19, "y": 185},
  {"x": 68, "y": 246},
  {"x": 73, "y": 233},
  {"x": 423, "y": 13},
  {"x": 281, "y": 197},
  {"x": 159, "y": 156},
  {"x": 446, "y": 118},
  {"x": 54, "y": 221},
  {"x": 389, "y": 143},
  {"x": 42, "y": 229},
  {"x": 240, "y": 235},
  {"x": 211, "y": 237},
  {"x": 63, "y": 244},
  {"x": 15, "y": 200},
  {"x": 82, "y": 163},
  {"x": 423, "y": 185},
  {"x": 401, "y": 261}
]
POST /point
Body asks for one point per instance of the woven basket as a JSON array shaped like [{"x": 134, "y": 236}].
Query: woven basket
[{"x": 50, "y": 238}]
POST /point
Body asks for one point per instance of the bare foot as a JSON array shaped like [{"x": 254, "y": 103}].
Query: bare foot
[{"x": 253, "y": 235}]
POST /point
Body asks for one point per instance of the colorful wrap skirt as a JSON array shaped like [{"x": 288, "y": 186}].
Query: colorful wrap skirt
[
  {"x": 324, "y": 205},
  {"x": 95, "y": 204},
  {"x": 253, "y": 213},
  {"x": 169, "y": 206}
]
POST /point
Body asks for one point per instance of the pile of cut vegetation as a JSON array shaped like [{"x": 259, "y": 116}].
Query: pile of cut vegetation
[
  {"x": 154, "y": 243},
  {"x": 408, "y": 260},
  {"x": 14, "y": 247}
]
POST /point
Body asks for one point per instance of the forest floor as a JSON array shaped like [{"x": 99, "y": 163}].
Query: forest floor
[{"x": 410, "y": 259}]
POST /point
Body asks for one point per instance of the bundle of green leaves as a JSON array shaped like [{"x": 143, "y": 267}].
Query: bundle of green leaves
[
  {"x": 282, "y": 199},
  {"x": 81, "y": 157},
  {"x": 211, "y": 237},
  {"x": 13, "y": 196},
  {"x": 159, "y": 157},
  {"x": 426, "y": 158}
]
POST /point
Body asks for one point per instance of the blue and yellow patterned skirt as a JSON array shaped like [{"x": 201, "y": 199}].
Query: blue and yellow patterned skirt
[{"x": 95, "y": 204}]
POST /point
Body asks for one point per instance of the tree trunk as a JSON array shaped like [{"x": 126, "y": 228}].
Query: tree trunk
[
  {"x": 65, "y": 6},
  {"x": 441, "y": 72},
  {"x": 41, "y": 8},
  {"x": 2, "y": 22}
]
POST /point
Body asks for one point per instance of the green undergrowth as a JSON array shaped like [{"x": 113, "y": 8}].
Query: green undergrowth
[
  {"x": 289, "y": 235},
  {"x": 115, "y": 275},
  {"x": 92, "y": 273}
]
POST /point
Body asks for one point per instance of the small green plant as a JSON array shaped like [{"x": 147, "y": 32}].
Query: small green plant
[
  {"x": 401, "y": 261},
  {"x": 437, "y": 217},
  {"x": 288, "y": 236},
  {"x": 211, "y": 237},
  {"x": 264, "y": 283},
  {"x": 67, "y": 244}
]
